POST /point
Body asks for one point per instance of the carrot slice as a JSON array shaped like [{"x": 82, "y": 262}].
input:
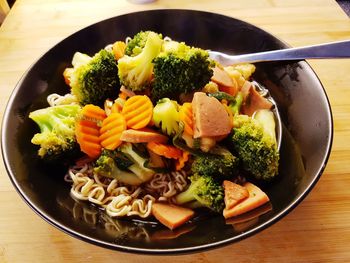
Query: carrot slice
[
  {"x": 256, "y": 198},
  {"x": 93, "y": 113},
  {"x": 118, "y": 49},
  {"x": 182, "y": 160},
  {"x": 87, "y": 138},
  {"x": 142, "y": 136},
  {"x": 186, "y": 116},
  {"x": 87, "y": 130},
  {"x": 234, "y": 193},
  {"x": 138, "y": 111},
  {"x": 111, "y": 131},
  {"x": 168, "y": 151},
  {"x": 171, "y": 216}
]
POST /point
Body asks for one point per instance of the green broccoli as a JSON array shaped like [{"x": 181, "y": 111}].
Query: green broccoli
[
  {"x": 220, "y": 95},
  {"x": 135, "y": 72},
  {"x": 166, "y": 116},
  {"x": 219, "y": 163},
  {"x": 94, "y": 79},
  {"x": 234, "y": 102},
  {"x": 106, "y": 165},
  {"x": 57, "y": 132},
  {"x": 256, "y": 149},
  {"x": 124, "y": 164},
  {"x": 137, "y": 43},
  {"x": 205, "y": 191},
  {"x": 235, "y": 106},
  {"x": 180, "y": 69}
]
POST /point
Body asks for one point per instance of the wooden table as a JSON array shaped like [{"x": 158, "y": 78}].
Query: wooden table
[{"x": 318, "y": 230}]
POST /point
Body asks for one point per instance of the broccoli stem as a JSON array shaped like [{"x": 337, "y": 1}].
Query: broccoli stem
[
  {"x": 236, "y": 106},
  {"x": 187, "y": 196}
]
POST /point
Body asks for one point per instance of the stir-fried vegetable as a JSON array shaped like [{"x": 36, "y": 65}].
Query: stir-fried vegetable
[{"x": 175, "y": 113}]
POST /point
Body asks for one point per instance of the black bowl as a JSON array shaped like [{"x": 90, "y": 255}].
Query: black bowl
[{"x": 307, "y": 131}]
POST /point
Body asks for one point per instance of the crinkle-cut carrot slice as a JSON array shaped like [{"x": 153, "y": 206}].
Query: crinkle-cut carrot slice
[
  {"x": 168, "y": 151},
  {"x": 180, "y": 163},
  {"x": 87, "y": 130},
  {"x": 186, "y": 116},
  {"x": 93, "y": 113},
  {"x": 137, "y": 111},
  {"x": 111, "y": 130},
  {"x": 87, "y": 134}
]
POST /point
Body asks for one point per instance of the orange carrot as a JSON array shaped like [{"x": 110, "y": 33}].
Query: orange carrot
[
  {"x": 111, "y": 130},
  {"x": 142, "y": 136},
  {"x": 87, "y": 137},
  {"x": 180, "y": 163},
  {"x": 186, "y": 116},
  {"x": 93, "y": 113},
  {"x": 256, "y": 198},
  {"x": 122, "y": 95},
  {"x": 118, "y": 49},
  {"x": 168, "y": 151},
  {"x": 87, "y": 130},
  {"x": 171, "y": 216},
  {"x": 138, "y": 111},
  {"x": 66, "y": 75}
]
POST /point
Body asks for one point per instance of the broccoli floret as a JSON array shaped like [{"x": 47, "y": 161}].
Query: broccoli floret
[
  {"x": 180, "y": 69},
  {"x": 166, "y": 116},
  {"x": 106, "y": 165},
  {"x": 94, "y": 79},
  {"x": 256, "y": 149},
  {"x": 125, "y": 165},
  {"x": 205, "y": 191},
  {"x": 219, "y": 163},
  {"x": 137, "y": 43},
  {"x": 57, "y": 132},
  {"x": 135, "y": 72}
]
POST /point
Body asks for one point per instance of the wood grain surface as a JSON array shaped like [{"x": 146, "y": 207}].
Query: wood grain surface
[{"x": 318, "y": 230}]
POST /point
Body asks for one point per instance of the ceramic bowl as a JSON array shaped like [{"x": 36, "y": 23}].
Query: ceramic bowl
[{"x": 304, "y": 109}]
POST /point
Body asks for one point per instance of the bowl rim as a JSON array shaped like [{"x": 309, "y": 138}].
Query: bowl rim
[{"x": 167, "y": 251}]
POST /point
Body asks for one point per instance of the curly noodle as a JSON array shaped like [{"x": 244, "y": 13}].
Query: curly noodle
[{"x": 120, "y": 200}]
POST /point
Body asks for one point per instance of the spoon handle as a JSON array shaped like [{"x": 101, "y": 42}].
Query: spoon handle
[{"x": 339, "y": 49}]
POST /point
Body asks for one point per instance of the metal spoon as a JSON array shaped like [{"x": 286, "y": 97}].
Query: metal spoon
[{"x": 339, "y": 49}]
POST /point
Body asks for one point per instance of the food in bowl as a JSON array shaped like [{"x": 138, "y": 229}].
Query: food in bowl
[{"x": 153, "y": 127}]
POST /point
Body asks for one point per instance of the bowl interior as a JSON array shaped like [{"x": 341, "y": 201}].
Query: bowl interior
[{"x": 301, "y": 99}]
